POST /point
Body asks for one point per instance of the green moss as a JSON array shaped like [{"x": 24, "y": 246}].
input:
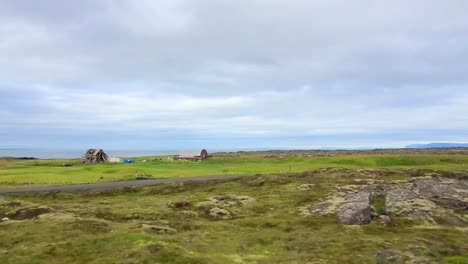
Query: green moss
[
  {"x": 456, "y": 260},
  {"x": 378, "y": 202}
]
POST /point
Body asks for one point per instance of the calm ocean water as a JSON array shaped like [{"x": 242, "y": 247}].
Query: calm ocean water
[{"x": 69, "y": 154}]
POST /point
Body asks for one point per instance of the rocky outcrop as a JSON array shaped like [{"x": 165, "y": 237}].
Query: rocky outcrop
[
  {"x": 427, "y": 196},
  {"x": 229, "y": 200},
  {"x": 351, "y": 209},
  {"x": 422, "y": 197},
  {"x": 389, "y": 256},
  {"x": 356, "y": 209},
  {"x": 152, "y": 229},
  {"x": 224, "y": 207},
  {"x": 396, "y": 256},
  {"x": 451, "y": 194},
  {"x": 219, "y": 213}
]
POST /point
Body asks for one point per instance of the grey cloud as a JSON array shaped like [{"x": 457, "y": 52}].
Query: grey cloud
[{"x": 295, "y": 68}]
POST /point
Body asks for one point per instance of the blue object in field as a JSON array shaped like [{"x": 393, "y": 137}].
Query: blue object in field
[{"x": 129, "y": 161}]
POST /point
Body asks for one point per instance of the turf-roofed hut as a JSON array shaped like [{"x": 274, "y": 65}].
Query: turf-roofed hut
[
  {"x": 93, "y": 156},
  {"x": 195, "y": 155}
]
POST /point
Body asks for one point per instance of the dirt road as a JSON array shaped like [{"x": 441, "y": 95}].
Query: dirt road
[{"x": 113, "y": 185}]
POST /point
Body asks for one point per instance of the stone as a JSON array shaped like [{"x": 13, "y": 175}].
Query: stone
[
  {"x": 425, "y": 198},
  {"x": 389, "y": 256},
  {"x": 384, "y": 219},
  {"x": 245, "y": 200},
  {"x": 229, "y": 200},
  {"x": 152, "y": 229},
  {"x": 435, "y": 189},
  {"x": 5, "y": 219},
  {"x": 402, "y": 201},
  {"x": 220, "y": 213},
  {"x": 356, "y": 210},
  {"x": 400, "y": 193},
  {"x": 449, "y": 203}
]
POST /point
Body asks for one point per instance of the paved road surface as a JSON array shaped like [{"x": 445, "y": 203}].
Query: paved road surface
[{"x": 114, "y": 185}]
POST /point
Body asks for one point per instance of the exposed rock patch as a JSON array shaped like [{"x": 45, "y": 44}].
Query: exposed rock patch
[
  {"x": 398, "y": 257},
  {"x": 152, "y": 229},
  {"x": 179, "y": 204},
  {"x": 206, "y": 205},
  {"x": 219, "y": 213},
  {"x": 28, "y": 212},
  {"x": 226, "y": 201},
  {"x": 419, "y": 197},
  {"x": 384, "y": 219},
  {"x": 351, "y": 209},
  {"x": 356, "y": 209},
  {"x": 389, "y": 256},
  {"x": 224, "y": 207}
]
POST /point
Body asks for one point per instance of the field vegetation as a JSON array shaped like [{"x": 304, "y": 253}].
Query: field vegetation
[
  {"x": 257, "y": 219},
  {"x": 14, "y": 173}
]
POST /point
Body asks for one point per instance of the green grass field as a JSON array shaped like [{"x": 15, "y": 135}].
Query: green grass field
[{"x": 44, "y": 172}]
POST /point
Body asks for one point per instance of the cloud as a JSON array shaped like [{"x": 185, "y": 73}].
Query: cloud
[{"x": 254, "y": 72}]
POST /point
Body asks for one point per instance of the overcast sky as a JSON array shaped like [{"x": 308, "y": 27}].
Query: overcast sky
[{"x": 221, "y": 74}]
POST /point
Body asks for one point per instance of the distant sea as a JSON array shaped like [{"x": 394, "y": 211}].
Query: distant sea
[{"x": 70, "y": 154}]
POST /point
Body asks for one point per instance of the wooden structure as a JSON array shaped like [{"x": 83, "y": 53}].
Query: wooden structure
[
  {"x": 93, "y": 156},
  {"x": 195, "y": 155}
]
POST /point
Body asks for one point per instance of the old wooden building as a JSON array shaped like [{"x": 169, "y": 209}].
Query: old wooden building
[
  {"x": 195, "y": 155},
  {"x": 93, "y": 156}
]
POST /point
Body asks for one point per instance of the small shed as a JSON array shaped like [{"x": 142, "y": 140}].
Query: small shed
[
  {"x": 114, "y": 160},
  {"x": 195, "y": 155},
  {"x": 93, "y": 156}
]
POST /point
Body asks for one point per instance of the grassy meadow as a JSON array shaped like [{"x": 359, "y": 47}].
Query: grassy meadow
[
  {"x": 111, "y": 227},
  {"x": 15, "y": 173}
]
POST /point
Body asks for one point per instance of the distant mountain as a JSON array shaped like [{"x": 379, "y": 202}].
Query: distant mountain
[{"x": 439, "y": 145}]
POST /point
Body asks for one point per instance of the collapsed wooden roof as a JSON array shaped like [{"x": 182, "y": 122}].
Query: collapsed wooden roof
[{"x": 95, "y": 156}]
